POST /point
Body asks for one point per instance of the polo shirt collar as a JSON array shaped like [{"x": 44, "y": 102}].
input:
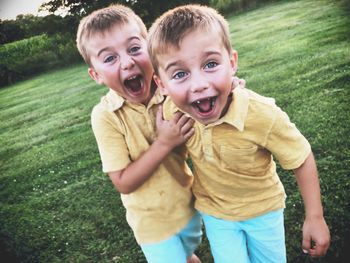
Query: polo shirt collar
[
  {"x": 115, "y": 101},
  {"x": 238, "y": 110}
]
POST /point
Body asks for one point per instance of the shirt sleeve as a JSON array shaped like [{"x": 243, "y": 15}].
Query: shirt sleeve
[
  {"x": 111, "y": 143},
  {"x": 286, "y": 142}
]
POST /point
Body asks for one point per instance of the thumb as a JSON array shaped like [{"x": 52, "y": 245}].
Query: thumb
[
  {"x": 159, "y": 116},
  {"x": 306, "y": 244}
]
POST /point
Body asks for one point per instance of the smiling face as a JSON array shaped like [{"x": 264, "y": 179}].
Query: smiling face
[
  {"x": 198, "y": 75},
  {"x": 120, "y": 60}
]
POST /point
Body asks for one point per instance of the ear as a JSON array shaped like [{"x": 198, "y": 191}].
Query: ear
[
  {"x": 160, "y": 85},
  {"x": 234, "y": 61},
  {"x": 95, "y": 76}
]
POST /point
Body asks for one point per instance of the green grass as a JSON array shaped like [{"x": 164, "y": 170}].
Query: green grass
[{"x": 57, "y": 206}]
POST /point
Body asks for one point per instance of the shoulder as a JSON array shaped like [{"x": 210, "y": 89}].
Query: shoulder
[
  {"x": 262, "y": 105},
  {"x": 102, "y": 115},
  {"x": 262, "y": 111},
  {"x": 100, "y": 109},
  {"x": 259, "y": 100}
]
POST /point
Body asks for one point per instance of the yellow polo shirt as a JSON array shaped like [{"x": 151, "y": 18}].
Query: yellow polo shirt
[
  {"x": 235, "y": 174},
  {"x": 163, "y": 205}
]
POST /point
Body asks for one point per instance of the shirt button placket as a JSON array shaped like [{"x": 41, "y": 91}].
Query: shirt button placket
[{"x": 207, "y": 145}]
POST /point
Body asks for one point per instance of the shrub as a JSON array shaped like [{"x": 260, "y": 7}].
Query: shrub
[{"x": 27, "y": 57}]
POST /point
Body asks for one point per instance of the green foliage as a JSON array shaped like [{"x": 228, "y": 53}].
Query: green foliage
[
  {"x": 57, "y": 206},
  {"x": 235, "y": 6},
  {"x": 147, "y": 10},
  {"x": 27, "y": 57},
  {"x": 26, "y": 26},
  {"x": 10, "y": 31}
]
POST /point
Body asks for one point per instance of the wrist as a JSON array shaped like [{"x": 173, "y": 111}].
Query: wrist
[
  {"x": 314, "y": 214},
  {"x": 162, "y": 145}
]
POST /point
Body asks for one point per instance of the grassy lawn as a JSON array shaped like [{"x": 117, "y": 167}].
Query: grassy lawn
[{"x": 57, "y": 206}]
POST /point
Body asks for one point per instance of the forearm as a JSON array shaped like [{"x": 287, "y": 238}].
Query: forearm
[
  {"x": 169, "y": 135},
  {"x": 137, "y": 172},
  {"x": 307, "y": 179},
  {"x": 316, "y": 237}
]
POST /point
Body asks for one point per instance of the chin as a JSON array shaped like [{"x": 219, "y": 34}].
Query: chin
[{"x": 205, "y": 119}]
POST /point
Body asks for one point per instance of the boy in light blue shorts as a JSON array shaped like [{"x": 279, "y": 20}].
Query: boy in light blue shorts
[
  {"x": 140, "y": 152},
  {"x": 237, "y": 133}
]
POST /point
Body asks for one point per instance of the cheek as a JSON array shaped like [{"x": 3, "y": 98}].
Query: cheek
[
  {"x": 224, "y": 82},
  {"x": 179, "y": 98},
  {"x": 146, "y": 61}
]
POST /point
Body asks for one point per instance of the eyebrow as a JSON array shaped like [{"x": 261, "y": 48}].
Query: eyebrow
[
  {"x": 171, "y": 65},
  {"x": 107, "y": 48},
  {"x": 102, "y": 50},
  {"x": 206, "y": 54}
]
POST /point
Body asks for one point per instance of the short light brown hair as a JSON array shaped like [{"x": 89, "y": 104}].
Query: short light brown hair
[
  {"x": 170, "y": 28},
  {"x": 102, "y": 20}
]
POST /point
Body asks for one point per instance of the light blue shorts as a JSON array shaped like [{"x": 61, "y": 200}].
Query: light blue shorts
[
  {"x": 177, "y": 248},
  {"x": 257, "y": 240}
]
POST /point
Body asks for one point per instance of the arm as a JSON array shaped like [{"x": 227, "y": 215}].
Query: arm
[
  {"x": 315, "y": 228},
  {"x": 170, "y": 134}
]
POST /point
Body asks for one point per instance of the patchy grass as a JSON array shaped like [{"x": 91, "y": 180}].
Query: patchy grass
[{"x": 57, "y": 206}]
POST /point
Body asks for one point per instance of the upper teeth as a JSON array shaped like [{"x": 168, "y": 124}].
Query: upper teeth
[
  {"x": 199, "y": 101},
  {"x": 131, "y": 78}
]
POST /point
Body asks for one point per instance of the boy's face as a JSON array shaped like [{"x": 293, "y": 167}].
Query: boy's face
[
  {"x": 120, "y": 60},
  {"x": 198, "y": 76}
]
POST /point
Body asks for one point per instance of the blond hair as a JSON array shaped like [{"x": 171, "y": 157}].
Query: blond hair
[
  {"x": 171, "y": 27},
  {"x": 102, "y": 20}
]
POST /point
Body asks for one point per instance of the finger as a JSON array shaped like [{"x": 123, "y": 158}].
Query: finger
[
  {"x": 235, "y": 83},
  {"x": 315, "y": 253},
  {"x": 182, "y": 120},
  {"x": 187, "y": 126},
  {"x": 188, "y": 134},
  {"x": 159, "y": 116},
  {"x": 320, "y": 248},
  {"x": 177, "y": 116},
  {"x": 306, "y": 244},
  {"x": 312, "y": 253},
  {"x": 242, "y": 83}
]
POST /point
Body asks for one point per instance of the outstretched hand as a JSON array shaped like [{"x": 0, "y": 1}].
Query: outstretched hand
[{"x": 175, "y": 131}]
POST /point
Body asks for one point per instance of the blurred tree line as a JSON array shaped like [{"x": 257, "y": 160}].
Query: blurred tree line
[
  {"x": 26, "y": 26},
  {"x": 32, "y": 44}
]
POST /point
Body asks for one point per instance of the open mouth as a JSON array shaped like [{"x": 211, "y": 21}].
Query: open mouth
[
  {"x": 134, "y": 84},
  {"x": 204, "y": 106}
]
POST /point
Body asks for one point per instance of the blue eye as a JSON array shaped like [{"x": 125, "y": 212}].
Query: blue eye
[
  {"x": 180, "y": 75},
  {"x": 109, "y": 59},
  {"x": 211, "y": 64},
  {"x": 134, "y": 49}
]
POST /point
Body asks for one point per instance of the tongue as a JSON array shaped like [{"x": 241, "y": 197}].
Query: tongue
[
  {"x": 204, "y": 105},
  {"x": 134, "y": 85}
]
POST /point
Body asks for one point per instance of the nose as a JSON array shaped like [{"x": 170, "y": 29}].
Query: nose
[
  {"x": 198, "y": 83},
  {"x": 126, "y": 62}
]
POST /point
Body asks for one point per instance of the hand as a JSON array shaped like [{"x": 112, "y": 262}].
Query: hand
[
  {"x": 175, "y": 131},
  {"x": 316, "y": 237},
  {"x": 237, "y": 83}
]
